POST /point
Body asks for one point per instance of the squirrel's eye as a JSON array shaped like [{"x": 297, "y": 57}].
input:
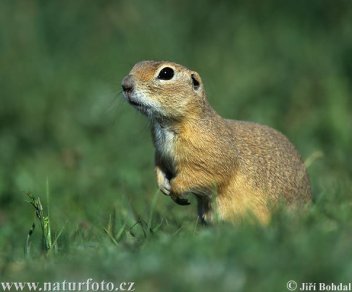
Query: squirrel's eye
[{"x": 166, "y": 73}]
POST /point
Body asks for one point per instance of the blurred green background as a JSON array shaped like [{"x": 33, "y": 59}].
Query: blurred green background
[{"x": 287, "y": 64}]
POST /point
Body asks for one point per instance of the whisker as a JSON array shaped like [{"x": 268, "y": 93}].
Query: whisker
[
  {"x": 114, "y": 104},
  {"x": 146, "y": 125},
  {"x": 110, "y": 106}
]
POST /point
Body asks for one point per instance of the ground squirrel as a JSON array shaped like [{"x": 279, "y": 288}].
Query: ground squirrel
[{"x": 246, "y": 165}]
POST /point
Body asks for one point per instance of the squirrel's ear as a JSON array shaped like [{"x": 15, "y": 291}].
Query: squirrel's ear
[{"x": 196, "y": 81}]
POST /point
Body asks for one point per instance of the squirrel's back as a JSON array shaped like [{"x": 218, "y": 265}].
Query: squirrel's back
[{"x": 270, "y": 162}]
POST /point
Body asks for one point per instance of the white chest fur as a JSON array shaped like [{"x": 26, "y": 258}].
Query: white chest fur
[{"x": 164, "y": 139}]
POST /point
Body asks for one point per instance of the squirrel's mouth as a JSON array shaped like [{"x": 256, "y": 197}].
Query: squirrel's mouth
[
  {"x": 134, "y": 103},
  {"x": 138, "y": 105},
  {"x": 137, "y": 101}
]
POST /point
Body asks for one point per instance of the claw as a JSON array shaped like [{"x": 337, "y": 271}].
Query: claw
[
  {"x": 165, "y": 188},
  {"x": 165, "y": 191}
]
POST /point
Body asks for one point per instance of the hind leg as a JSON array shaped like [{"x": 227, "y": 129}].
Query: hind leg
[
  {"x": 205, "y": 213},
  {"x": 240, "y": 201}
]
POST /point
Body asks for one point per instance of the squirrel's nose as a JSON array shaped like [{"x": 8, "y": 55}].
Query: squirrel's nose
[{"x": 127, "y": 83}]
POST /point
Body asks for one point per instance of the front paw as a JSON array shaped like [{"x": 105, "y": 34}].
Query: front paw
[{"x": 165, "y": 187}]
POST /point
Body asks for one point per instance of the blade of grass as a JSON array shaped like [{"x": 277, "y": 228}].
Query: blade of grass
[
  {"x": 152, "y": 209},
  {"x": 27, "y": 248}
]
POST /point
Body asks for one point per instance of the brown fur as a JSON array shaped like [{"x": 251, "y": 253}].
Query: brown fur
[{"x": 250, "y": 166}]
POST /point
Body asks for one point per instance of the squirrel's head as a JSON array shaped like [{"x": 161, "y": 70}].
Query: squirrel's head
[{"x": 164, "y": 90}]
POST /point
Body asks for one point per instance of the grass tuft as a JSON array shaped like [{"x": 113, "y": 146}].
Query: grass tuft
[{"x": 47, "y": 243}]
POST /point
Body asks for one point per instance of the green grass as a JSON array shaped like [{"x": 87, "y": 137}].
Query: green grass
[
  {"x": 67, "y": 137},
  {"x": 177, "y": 254}
]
